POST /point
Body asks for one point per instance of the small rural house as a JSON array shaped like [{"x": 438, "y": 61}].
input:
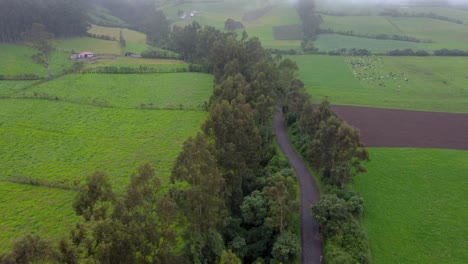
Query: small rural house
[{"x": 85, "y": 55}]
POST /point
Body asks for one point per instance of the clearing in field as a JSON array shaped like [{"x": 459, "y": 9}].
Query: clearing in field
[
  {"x": 63, "y": 143},
  {"x": 415, "y": 202},
  {"x": 410, "y": 83},
  {"x": 156, "y": 91},
  {"x": 33, "y": 209}
]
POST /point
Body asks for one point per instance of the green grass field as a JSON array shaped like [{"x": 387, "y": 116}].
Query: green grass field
[
  {"x": 31, "y": 209},
  {"x": 359, "y": 24},
  {"x": 64, "y": 143},
  {"x": 163, "y": 91},
  {"x": 450, "y": 12},
  {"x": 263, "y": 27},
  {"x": 98, "y": 46},
  {"x": 434, "y": 83},
  {"x": 16, "y": 60},
  {"x": 415, "y": 203}
]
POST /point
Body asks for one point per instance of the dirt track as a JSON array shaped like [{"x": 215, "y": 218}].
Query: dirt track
[
  {"x": 400, "y": 128},
  {"x": 311, "y": 242}
]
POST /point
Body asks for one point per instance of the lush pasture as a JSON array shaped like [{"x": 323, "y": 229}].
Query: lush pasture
[
  {"x": 16, "y": 60},
  {"x": 359, "y": 24},
  {"x": 415, "y": 203},
  {"x": 137, "y": 48},
  {"x": 433, "y": 83},
  {"x": 327, "y": 42},
  {"x": 443, "y": 34},
  {"x": 64, "y": 143},
  {"x": 8, "y": 88},
  {"x": 98, "y": 46},
  {"x": 31, "y": 209},
  {"x": 162, "y": 91},
  {"x": 321, "y": 72}
]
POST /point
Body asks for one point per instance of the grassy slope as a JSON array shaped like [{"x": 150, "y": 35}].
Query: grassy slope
[
  {"x": 451, "y": 12},
  {"x": 170, "y": 90},
  {"x": 425, "y": 89},
  {"x": 16, "y": 60},
  {"x": 416, "y": 205},
  {"x": 67, "y": 142},
  {"x": 98, "y": 46},
  {"x": 359, "y": 24},
  {"x": 444, "y": 34},
  {"x": 129, "y": 35},
  {"x": 28, "y": 208}
]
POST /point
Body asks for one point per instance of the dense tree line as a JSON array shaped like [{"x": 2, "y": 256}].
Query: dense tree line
[
  {"x": 441, "y": 52},
  {"x": 230, "y": 198},
  {"x": 350, "y": 52},
  {"x": 334, "y": 149},
  {"x": 372, "y": 36},
  {"x": 63, "y": 18}
]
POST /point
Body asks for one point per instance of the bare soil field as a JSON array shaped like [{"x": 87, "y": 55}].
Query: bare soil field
[{"x": 399, "y": 128}]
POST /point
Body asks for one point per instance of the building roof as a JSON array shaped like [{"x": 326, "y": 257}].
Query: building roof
[{"x": 86, "y": 53}]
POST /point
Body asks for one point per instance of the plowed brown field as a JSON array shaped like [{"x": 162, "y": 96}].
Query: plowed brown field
[{"x": 399, "y": 128}]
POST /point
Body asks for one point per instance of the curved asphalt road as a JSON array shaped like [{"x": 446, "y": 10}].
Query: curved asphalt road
[{"x": 311, "y": 241}]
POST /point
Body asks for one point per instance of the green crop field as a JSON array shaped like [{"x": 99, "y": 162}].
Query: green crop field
[
  {"x": 16, "y": 60},
  {"x": 129, "y": 61},
  {"x": 130, "y": 36},
  {"x": 327, "y": 42},
  {"x": 415, "y": 203},
  {"x": 162, "y": 91},
  {"x": 359, "y": 24},
  {"x": 8, "y": 88},
  {"x": 412, "y": 83},
  {"x": 98, "y": 46},
  {"x": 63, "y": 143},
  {"x": 32, "y": 209}
]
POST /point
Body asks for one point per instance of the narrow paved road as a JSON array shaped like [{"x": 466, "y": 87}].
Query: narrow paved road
[{"x": 311, "y": 242}]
